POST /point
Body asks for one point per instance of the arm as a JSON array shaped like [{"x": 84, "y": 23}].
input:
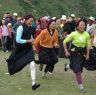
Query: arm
[
  {"x": 13, "y": 28},
  {"x": 94, "y": 41},
  {"x": 56, "y": 44},
  {"x": 88, "y": 47},
  {"x": 37, "y": 42},
  {"x": 0, "y": 33},
  {"x": 39, "y": 38},
  {"x": 66, "y": 50},
  {"x": 19, "y": 35},
  {"x": 66, "y": 40},
  {"x": 88, "y": 53}
]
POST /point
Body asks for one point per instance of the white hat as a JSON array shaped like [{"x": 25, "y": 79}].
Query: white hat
[
  {"x": 92, "y": 18},
  {"x": 15, "y": 14},
  {"x": 19, "y": 18},
  {"x": 53, "y": 18},
  {"x": 63, "y": 17},
  {"x": 72, "y": 15},
  {"x": 9, "y": 24}
]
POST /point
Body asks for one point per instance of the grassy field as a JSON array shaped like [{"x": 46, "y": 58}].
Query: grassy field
[{"x": 60, "y": 83}]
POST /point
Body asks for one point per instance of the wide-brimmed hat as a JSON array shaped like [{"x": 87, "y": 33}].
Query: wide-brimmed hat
[
  {"x": 53, "y": 18},
  {"x": 91, "y": 18},
  {"x": 15, "y": 14},
  {"x": 63, "y": 17},
  {"x": 72, "y": 15}
]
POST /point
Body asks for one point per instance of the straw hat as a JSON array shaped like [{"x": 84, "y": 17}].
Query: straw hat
[
  {"x": 15, "y": 14},
  {"x": 72, "y": 15},
  {"x": 63, "y": 17},
  {"x": 53, "y": 18},
  {"x": 91, "y": 18}
]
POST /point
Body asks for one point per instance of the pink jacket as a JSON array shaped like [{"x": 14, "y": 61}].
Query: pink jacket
[{"x": 0, "y": 33}]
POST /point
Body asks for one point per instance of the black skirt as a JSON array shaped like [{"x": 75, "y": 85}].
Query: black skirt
[
  {"x": 91, "y": 63},
  {"x": 19, "y": 58},
  {"x": 47, "y": 56},
  {"x": 76, "y": 62}
]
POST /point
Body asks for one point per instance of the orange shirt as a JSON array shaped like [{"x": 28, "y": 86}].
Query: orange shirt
[{"x": 45, "y": 39}]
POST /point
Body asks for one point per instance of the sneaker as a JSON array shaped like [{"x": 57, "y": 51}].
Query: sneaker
[
  {"x": 35, "y": 86},
  {"x": 7, "y": 51},
  {"x": 82, "y": 90},
  {"x": 65, "y": 67},
  {"x": 50, "y": 73}
]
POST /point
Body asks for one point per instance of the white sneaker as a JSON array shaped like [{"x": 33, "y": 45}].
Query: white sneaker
[
  {"x": 82, "y": 90},
  {"x": 50, "y": 73},
  {"x": 66, "y": 67},
  {"x": 7, "y": 51}
]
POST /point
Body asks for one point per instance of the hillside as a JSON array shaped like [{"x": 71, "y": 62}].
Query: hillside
[{"x": 49, "y": 7}]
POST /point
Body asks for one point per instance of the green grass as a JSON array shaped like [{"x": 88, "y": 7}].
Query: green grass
[{"x": 60, "y": 83}]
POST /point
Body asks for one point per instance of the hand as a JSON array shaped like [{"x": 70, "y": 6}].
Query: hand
[
  {"x": 67, "y": 54},
  {"x": 56, "y": 45},
  {"x": 87, "y": 57},
  {"x": 65, "y": 34},
  {"x": 30, "y": 41},
  {"x": 35, "y": 50}
]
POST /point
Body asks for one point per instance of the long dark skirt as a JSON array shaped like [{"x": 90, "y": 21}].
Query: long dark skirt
[
  {"x": 19, "y": 59},
  {"x": 47, "y": 55},
  {"x": 76, "y": 62},
  {"x": 91, "y": 63}
]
